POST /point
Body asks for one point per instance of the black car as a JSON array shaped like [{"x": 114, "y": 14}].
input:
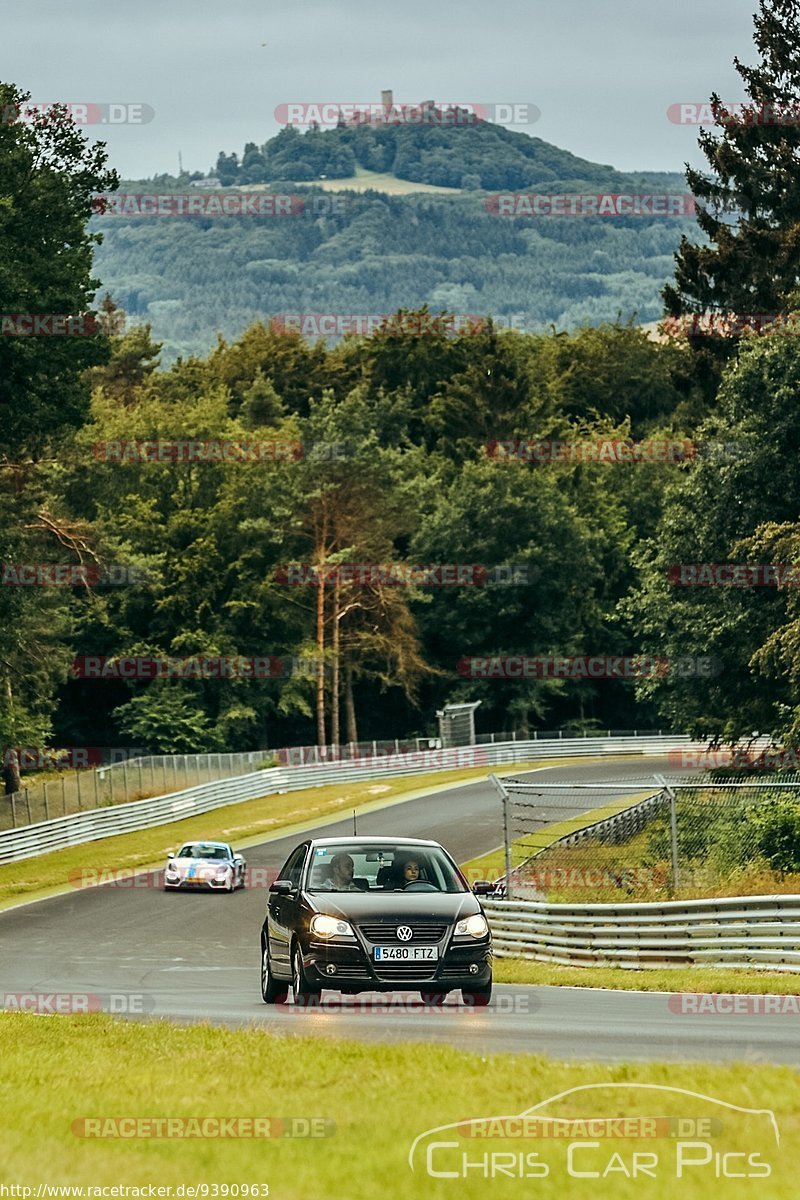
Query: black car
[{"x": 374, "y": 914}]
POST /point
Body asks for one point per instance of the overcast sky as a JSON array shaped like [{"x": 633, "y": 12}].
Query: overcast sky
[{"x": 602, "y": 72}]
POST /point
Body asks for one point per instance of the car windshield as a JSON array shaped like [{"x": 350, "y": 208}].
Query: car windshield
[
  {"x": 382, "y": 869},
  {"x": 193, "y": 850}
]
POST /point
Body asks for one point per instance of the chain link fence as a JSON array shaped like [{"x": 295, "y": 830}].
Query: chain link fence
[
  {"x": 122, "y": 782},
  {"x": 62, "y": 793},
  {"x": 571, "y": 842}
]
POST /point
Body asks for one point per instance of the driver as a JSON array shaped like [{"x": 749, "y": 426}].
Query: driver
[{"x": 411, "y": 871}]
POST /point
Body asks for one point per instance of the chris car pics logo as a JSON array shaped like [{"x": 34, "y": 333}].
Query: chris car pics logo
[{"x": 606, "y": 1131}]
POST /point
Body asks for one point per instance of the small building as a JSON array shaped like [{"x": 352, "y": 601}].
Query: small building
[
  {"x": 209, "y": 182},
  {"x": 457, "y": 724}
]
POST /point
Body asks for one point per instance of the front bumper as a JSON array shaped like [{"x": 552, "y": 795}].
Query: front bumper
[
  {"x": 352, "y": 967},
  {"x": 196, "y": 884}
]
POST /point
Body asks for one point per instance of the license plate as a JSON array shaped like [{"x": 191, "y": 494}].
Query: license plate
[{"x": 406, "y": 953}]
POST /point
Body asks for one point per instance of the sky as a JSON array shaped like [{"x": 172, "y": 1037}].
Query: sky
[{"x": 602, "y": 72}]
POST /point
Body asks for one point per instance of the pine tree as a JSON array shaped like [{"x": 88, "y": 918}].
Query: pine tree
[{"x": 752, "y": 265}]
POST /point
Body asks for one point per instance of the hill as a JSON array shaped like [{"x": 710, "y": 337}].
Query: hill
[{"x": 404, "y": 230}]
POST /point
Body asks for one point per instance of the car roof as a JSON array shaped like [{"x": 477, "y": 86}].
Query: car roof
[{"x": 373, "y": 841}]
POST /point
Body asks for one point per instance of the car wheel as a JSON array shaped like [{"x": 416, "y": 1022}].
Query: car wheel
[
  {"x": 305, "y": 994},
  {"x": 477, "y": 997},
  {"x": 433, "y": 998},
  {"x": 273, "y": 991}
]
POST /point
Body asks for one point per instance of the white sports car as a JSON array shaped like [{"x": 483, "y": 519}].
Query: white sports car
[{"x": 210, "y": 865}]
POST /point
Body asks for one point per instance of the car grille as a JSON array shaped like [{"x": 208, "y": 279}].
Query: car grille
[
  {"x": 386, "y": 934},
  {"x": 405, "y": 972}
]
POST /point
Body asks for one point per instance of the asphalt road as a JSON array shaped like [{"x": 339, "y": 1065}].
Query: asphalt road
[{"x": 193, "y": 957}]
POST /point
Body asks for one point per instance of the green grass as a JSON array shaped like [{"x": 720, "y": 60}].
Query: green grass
[
  {"x": 57, "y": 1071},
  {"x": 648, "y": 979},
  {"x": 382, "y": 181},
  {"x": 246, "y": 823}
]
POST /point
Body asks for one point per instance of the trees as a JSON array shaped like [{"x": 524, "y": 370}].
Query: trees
[
  {"x": 48, "y": 176},
  {"x": 752, "y": 266},
  {"x": 725, "y": 508}
]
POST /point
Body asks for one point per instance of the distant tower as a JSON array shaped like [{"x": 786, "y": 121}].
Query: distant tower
[
  {"x": 387, "y": 98},
  {"x": 180, "y": 164}
]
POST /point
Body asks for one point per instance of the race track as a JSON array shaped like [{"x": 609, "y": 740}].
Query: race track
[{"x": 195, "y": 957}]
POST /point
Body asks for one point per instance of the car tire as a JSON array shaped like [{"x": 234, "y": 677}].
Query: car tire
[
  {"x": 273, "y": 991},
  {"x": 305, "y": 994},
  {"x": 477, "y": 997},
  {"x": 433, "y": 999}
]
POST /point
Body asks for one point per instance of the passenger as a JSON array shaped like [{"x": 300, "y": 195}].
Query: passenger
[{"x": 340, "y": 877}]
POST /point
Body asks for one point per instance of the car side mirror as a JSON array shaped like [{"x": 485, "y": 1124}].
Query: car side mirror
[
  {"x": 482, "y": 887},
  {"x": 283, "y": 887},
  {"x": 171, "y": 854}
]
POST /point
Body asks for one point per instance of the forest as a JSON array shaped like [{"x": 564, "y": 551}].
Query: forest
[
  {"x": 192, "y": 277},
  {"x": 268, "y": 539}
]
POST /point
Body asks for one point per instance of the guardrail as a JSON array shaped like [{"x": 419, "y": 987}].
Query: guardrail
[
  {"x": 746, "y": 931},
  {"x": 88, "y": 826}
]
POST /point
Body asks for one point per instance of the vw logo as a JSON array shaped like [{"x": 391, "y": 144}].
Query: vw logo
[{"x": 404, "y": 933}]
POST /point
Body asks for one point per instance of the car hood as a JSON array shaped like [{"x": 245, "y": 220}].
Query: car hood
[{"x": 396, "y": 906}]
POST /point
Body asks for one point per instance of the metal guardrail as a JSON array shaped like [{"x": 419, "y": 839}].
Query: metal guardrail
[
  {"x": 88, "y": 826},
  {"x": 120, "y": 782},
  {"x": 761, "y": 932}
]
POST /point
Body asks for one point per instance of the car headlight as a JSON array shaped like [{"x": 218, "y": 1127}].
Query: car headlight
[
  {"x": 475, "y": 926},
  {"x": 222, "y": 872},
  {"x": 327, "y": 927},
  {"x": 172, "y": 869}
]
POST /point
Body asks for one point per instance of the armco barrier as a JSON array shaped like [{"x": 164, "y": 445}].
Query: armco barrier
[
  {"x": 30, "y": 840},
  {"x": 745, "y": 931}
]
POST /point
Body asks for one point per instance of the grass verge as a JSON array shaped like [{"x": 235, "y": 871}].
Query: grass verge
[
  {"x": 247, "y": 822},
  {"x": 60, "y": 1071},
  {"x": 648, "y": 979}
]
